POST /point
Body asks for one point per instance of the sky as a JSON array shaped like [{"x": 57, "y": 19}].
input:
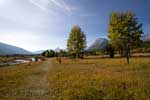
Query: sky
[{"x": 46, "y": 24}]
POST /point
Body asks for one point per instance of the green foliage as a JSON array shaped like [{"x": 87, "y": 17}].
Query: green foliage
[
  {"x": 48, "y": 53},
  {"x": 63, "y": 53},
  {"x": 124, "y": 31},
  {"x": 110, "y": 50},
  {"x": 52, "y": 53},
  {"x": 146, "y": 46},
  {"x": 76, "y": 42}
]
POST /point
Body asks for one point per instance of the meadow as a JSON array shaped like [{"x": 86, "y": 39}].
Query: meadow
[
  {"x": 91, "y": 78},
  {"x": 101, "y": 79}
]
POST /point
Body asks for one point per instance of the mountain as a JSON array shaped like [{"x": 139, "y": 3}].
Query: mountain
[
  {"x": 39, "y": 52},
  {"x": 6, "y": 49},
  {"x": 57, "y": 50},
  {"x": 98, "y": 44},
  {"x": 146, "y": 38}
]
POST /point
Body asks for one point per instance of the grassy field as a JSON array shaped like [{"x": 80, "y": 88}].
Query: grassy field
[
  {"x": 87, "y": 79},
  {"x": 101, "y": 79},
  {"x": 24, "y": 81}
]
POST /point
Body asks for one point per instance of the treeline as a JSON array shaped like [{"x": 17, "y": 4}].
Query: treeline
[
  {"x": 124, "y": 33},
  {"x": 143, "y": 48},
  {"x": 52, "y": 53}
]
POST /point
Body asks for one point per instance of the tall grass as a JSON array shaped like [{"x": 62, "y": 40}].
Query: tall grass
[{"x": 100, "y": 79}]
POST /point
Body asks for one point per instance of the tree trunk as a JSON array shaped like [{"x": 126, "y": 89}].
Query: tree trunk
[
  {"x": 112, "y": 53},
  {"x": 81, "y": 55},
  {"x": 121, "y": 52},
  {"x": 127, "y": 54}
]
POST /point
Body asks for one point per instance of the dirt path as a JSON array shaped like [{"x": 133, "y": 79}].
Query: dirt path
[
  {"x": 37, "y": 83},
  {"x": 35, "y": 86}
]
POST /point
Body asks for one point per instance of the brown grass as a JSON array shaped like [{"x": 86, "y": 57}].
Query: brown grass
[
  {"x": 101, "y": 79},
  {"x": 87, "y": 79},
  {"x": 14, "y": 82}
]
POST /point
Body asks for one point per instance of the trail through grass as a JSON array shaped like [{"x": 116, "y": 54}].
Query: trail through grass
[
  {"x": 86, "y": 79},
  {"x": 25, "y": 82}
]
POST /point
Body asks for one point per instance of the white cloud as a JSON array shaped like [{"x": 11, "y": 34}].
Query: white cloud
[
  {"x": 3, "y": 2},
  {"x": 42, "y": 4},
  {"x": 55, "y": 5},
  {"x": 33, "y": 24},
  {"x": 66, "y": 7},
  {"x": 87, "y": 15}
]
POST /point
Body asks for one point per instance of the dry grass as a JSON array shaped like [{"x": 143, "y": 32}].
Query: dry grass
[
  {"x": 101, "y": 79},
  {"x": 87, "y": 79},
  {"x": 18, "y": 82},
  {"x": 6, "y": 59}
]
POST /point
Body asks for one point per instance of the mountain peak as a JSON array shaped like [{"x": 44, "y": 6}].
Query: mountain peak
[
  {"x": 57, "y": 49},
  {"x": 6, "y": 49},
  {"x": 98, "y": 44}
]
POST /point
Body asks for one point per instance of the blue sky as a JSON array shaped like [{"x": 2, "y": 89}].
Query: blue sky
[{"x": 45, "y": 24}]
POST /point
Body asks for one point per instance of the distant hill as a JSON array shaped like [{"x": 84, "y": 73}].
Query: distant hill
[
  {"x": 6, "y": 49},
  {"x": 98, "y": 44},
  {"x": 101, "y": 43},
  {"x": 39, "y": 52},
  {"x": 57, "y": 50}
]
